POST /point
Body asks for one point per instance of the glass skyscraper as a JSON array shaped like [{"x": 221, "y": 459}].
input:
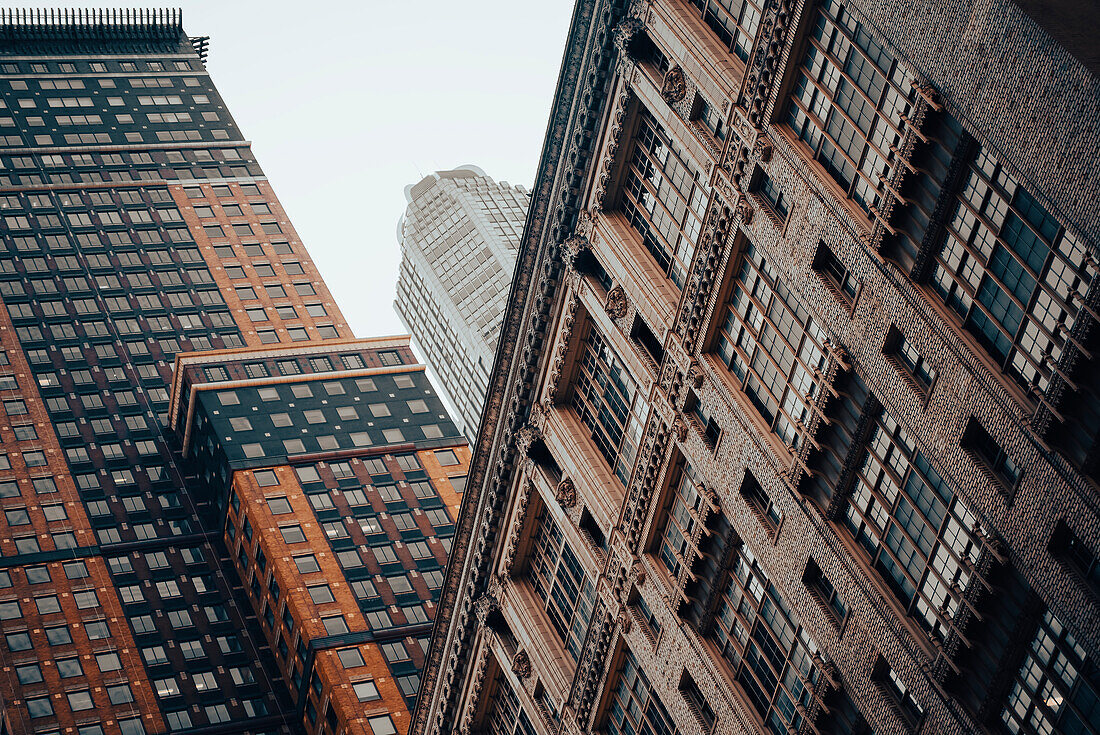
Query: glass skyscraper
[{"x": 459, "y": 238}]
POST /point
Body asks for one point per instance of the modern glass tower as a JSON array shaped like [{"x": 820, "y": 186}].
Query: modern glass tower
[
  {"x": 459, "y": 238},
  {"x": 222, "y": 513}
]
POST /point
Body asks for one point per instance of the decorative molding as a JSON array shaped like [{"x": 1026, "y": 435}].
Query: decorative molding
[
  {"x": 770, "y": 40},
  {"x": 762, "y": 148},
  {"x": 477, "y": 683},
  {"x": 616, "y": 304},
  {"x": 680, "y": 429},
  {"x": 525, "y": 437},
  {"x": 515, "y": 530},
  {"x": 566, "y": 493},
  {"x": 571, "y": 249},
  {"x": 674, "y": 86},
  {"x": 568, "y": 320},
  {"x": 614, "y": 137}
]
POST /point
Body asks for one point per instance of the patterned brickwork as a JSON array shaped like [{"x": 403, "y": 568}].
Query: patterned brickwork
[{"x": 662, "y": 572}]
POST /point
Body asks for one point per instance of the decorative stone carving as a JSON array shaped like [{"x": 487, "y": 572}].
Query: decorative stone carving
[
  {"x": 571, "y": 248},
  {"x": 485, "y": 606},
  {"x": 624, "y": 619},
  {"x": 586, "y": 223},
  {"x": 521, "y": 664},
  {"x": 680, "y": 429},
  {"x": 614, "y": 137},
  {"x": 568, "y": 318},
  {"x": 566, "y": 493},
  {"x": 745, "y": 210},
  {"x": 763, "y": 148},
  {"x": 616, "y": 304},
  {"x": 537, "y": 415},
  {"x": 626, "y": 36},
  {"x": 514, "y": 531},
  {"x": 674, "y": 87},
  {"x": 525, "y": 437}
]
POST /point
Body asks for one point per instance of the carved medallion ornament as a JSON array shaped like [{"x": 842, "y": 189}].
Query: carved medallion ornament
[
  {"x": 566, "y": 493},
  {"x": 521, "y": 664},
  {"x": 616, "y": 304},
  {"x": 674, "y": 87}
]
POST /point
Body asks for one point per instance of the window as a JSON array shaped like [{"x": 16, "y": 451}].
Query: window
[
  {"x": 608, "y": 402},
  {"x": 921, "y": 537},
  {"x": 896, "y": 690},
  {"x": 634, "y": 707},
  {"x": 381, "y": 725},
  {"x": 848, "y": 103},
  {"x": 366, "y": 691},
  {"x": 279, "y": 505},
  {"x": 506, "y": 716},
  {"x": 684, "y": 511},
  {"x": 1065, "y": 545},
  {"x": 824, "y": 592},
  {"x": 240, "y": 424},
  {"x": 904, "y": 354},
  {"x": 320, "y": 593},
  {"x": 836, "y": 275},
  {"x": 772, "y": 346},
  {"x": 1056, "y": 688},
  {"x": 292, "y": 534},
  {"x": 989, "y": 454},
  {"x": 1011, "y": 272},
  {"x": 559, "y": 580},
  {"x": 733, "y": 21},
  {"x": 335, "y": 625},
  {"x": 769, "y": 654},
  {"x": 350, "y": 658},
  {"x": 664, "y": 198},
  {"x": 772, "y": 195}
]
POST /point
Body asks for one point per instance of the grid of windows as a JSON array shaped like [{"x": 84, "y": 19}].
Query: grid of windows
[
  {"x": 773, "y": 346},
  {"x": 921, "y": 537},
  {"x": 1011, "y": 272},
  {"x": 734, "y": 21},
  {"x": 608, "y": 402},
  {"x": 567, "y": 592},
  {"x": 849, "y": 103},
  {"x": 634, "y": 708},
  {"x": 684, "y": 512},
  {"x": 506, "y": 716},
  {"x": 664, "y": 198},
  {"x": 1057, "y": 689},
  {"x": 769, "y": 653}
]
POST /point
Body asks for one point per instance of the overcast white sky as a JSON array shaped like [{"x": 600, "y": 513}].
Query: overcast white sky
[{"x": 347, "y": 102}]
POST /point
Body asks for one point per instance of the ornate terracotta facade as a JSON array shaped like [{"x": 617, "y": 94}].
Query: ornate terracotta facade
[{"x": 803, "y": 471}]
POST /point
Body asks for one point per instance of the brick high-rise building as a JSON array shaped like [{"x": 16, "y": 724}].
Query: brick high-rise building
[
  {"x": 459, "y": 238},
  {"x": 794, "y": 421},
  {"x": 222, "y": 513}
]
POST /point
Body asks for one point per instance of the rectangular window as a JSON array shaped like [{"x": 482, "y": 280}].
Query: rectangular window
[
  {"x": 634, "y": 707},
  {"x": 557, "y": 577},
  {"x": 1056, "y": 688},
  {"x": 983, "y": 447},
  {"x": 848, "y": 104},
  {"x": 900, "y": 351},
  {"x": 772, "y": 346},
  {"x": 664, "y": 198},
  {"x": 507, "y": 716},
  {"x": 841, "y": 281},
  {"x": 922, "y": 539},
  {"x": 1011, "y": 272},
  {"x": 769, "y": 653},
  {"x": 734, "y": 22},
  {"x": 609, "y": 404}
]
